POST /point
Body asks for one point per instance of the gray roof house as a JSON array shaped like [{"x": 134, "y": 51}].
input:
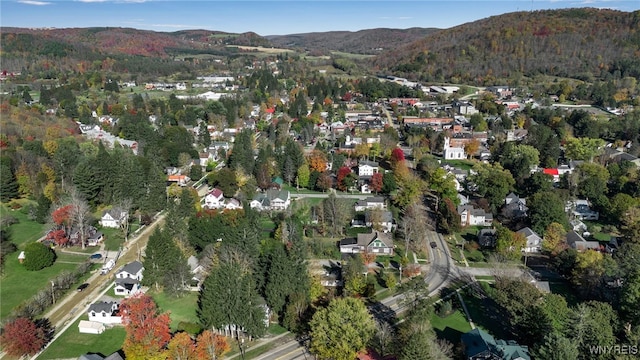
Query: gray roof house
[
  {"x": 534, "y": 241},
  {"x": 384, "y": 220},
  {"x": 576, "y": 241},
  {"x": 271, "y": 199},
  {"x": 487, "y": 238},
  {"x": 480, "y": 345},
  {"x": 378, "y": 243}
]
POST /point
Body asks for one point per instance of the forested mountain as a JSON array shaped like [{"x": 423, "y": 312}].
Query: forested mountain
[
  {"x": 371, "y": 41},
  {"x": 121, "y": 41},
  {"x": 583, "y": 43}
]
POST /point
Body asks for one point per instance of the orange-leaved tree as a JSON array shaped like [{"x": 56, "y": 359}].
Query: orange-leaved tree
[
  {"x": 211, "y": 346},
  {"x": 147, "y": 330},
  {"x": 181, "y": 347}
]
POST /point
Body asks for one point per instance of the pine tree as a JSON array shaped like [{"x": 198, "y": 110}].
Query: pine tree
[{"x": 8, "y": 184}]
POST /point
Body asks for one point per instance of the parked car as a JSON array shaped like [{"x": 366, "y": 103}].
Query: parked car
[
  {"x": 433, "y": 245},
  {"x": 83, "y": 286},
  {"x": 96, "y": 257}
]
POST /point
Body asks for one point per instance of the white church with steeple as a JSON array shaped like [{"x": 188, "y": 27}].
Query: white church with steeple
[{"x": 452, "y": 153}]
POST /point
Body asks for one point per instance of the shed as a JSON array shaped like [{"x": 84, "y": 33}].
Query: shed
[{"x": 91, "y": 327}]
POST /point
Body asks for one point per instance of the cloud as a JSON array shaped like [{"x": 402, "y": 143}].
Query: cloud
[{"x": 33, "y": 2}]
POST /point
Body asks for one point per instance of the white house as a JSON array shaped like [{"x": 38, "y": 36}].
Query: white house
[
  {"x": 105, "y": 312},
  {"x": 374, "y": 202},
  {"x": 113, "y": 218},
  {"x": 272, "y": 199},
  {"x": 232, "y": 204},
  {"x": 90, "y": 327},
  {"x": 367, "y": 168},
  {"x": 470, "y": 216},
  {"x": 214, "y": 199},
  {"x": 534, "y": 241},
  {"x": 128, "y": 279},
  {"x": 452, "y": 153}
]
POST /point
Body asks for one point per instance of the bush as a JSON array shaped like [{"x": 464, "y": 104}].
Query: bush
[
  {"x": 38, "y": 256},
  {"x": 445, "y": 308},
  {"x": 189, "y": 328}
]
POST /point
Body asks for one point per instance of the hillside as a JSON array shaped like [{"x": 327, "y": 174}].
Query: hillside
[
  {"x": 575, "y": 42},
  {"x": 370, "y": 41},
  {"x": 122, "y": 41}
]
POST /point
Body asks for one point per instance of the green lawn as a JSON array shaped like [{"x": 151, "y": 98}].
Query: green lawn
[
  {"x": 180, "y": 309},
  {"x": 72, "y": 344},
  {"x": 275, "y": 329},
  {"x": 113, "y": 238},
  {"x": 25, "y": 231},
  {"x": 451, "y": 327},
  {"x": 461, "y": 164},
  {"x": 19, "y": 284}
]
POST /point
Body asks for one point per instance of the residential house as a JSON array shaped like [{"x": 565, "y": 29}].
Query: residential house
[
  {"x": 179, "y": 179},
  {"x": 367, "y": 168},
  {"x": 376, "y": 242},
  {"x": 197, "y": 271},
  {"x": 470, "y": 216},
  {"x": 232, "y": 204},
  {"x": 374, "y": 202},
  {"x": 581, "y": 210},
  {"x": 90, "y": 327},
  {"x": 534, "y": 241},
  {"x": 452, "y": 153},
  {"x": 115, "y": 356},
  {"x": 514, "y": 207},
  {"x": 479, "y": 345},
  {"x": 578, "y": 226},
  {"x": 272, "y": 199},
  {"x": 576, "y": 241},
  {"x": 214, "y": 199},
  {"x": 382, "y": 219},
  {"x": 95, "y": 238},
  {"x": 128, "y": 279},
  {"x": 113, "y": 218},
  {"x": 487, "y": 238},
  {"x": 105, "y": 312}
]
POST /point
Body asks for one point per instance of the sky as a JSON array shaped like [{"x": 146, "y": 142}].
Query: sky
[{"x": 269, "y": 17}]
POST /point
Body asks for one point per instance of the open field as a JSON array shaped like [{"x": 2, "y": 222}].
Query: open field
[
  {"x": 262, "y": 49},
  {"x": 181, "y": 309},
  {"x": 25, "y": 231},
  {"x": 72, "y": 343},
  {"x": 19, "y": 284},
  {"x": 352, "y": 56}
]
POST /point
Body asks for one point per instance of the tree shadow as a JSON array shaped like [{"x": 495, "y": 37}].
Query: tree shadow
[{"x": 452, "y": 335}]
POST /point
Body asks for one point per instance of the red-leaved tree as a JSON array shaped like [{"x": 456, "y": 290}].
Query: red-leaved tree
[
  {"x": 211, "y": 346},
  {"x": 397, "y": 156},
  {"x": 22, "y": 337},
  {"x": 147, "y": 330},
  {"x": 376, "y": 182},
  {"x": 343, "y": 172}
]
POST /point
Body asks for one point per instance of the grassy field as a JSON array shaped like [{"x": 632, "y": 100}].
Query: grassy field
[
  {"x": 352, "y": 56},
  {"x": 113, "y": 238},
  {"x": 72, "y": 343},
  {"x": 19, "y": 284},
  {"x": 25, "y": 231},
  {"x": 180, "y": 309},
  {"x": 451, "y": 327},
  {"x": 461, "y": 164}
]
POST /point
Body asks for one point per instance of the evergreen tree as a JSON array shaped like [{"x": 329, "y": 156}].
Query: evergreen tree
[
  {"x": 8, "y": 183},
  {"x": 161, "y": 257},
  {"x": 229, "y": 296}
]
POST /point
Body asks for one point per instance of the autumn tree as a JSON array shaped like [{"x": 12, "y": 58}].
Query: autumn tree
[
  {"x": 181, "y": 347},
  {"x": 147, "y": 331},
  {"x": 555, "y": 239},
  {"x": 342, "y": 329},
  {"x": 211, "y": 346},
  {"x": 471, "y": 147},
  {"x": 345, "y": 178},
  {"x": 302, "y": 178},
  {"x": 317, "y": 161},
  {"x": 22, "y": 337},
  {"x": 376, "y": 182},
  {"x": 509, "y": 244}
]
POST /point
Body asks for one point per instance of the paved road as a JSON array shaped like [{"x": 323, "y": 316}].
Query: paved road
[{"x": 326, "y": 195}]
